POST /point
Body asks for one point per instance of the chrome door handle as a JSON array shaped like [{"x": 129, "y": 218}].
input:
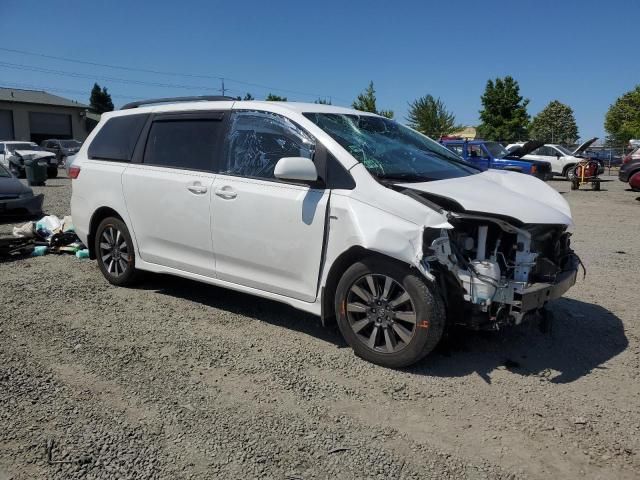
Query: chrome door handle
[
  {"x": 198, "y": 189},
  {"x": 226, "y": 192}
]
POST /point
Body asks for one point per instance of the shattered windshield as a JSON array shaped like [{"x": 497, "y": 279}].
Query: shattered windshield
[{"x": 389, "y": 150}]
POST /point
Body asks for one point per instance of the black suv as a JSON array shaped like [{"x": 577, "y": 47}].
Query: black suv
[{"x": 62, "y": 148}]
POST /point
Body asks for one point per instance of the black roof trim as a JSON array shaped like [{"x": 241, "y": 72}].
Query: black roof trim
[{"x": 209, "y": 98}]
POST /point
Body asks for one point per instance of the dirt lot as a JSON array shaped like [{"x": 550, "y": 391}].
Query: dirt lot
[{"x": 175, "y": 379}]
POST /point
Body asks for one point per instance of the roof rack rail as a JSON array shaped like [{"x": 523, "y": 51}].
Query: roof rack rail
[{"x": 152, "y": 101}]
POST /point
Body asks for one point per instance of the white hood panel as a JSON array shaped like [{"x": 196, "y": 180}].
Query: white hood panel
[
  {"x": 500, "y": 192},
  {"x": 34, "y": 154}
]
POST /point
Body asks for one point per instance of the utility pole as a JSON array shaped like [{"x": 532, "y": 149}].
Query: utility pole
[{"x": 222, "y": 89}]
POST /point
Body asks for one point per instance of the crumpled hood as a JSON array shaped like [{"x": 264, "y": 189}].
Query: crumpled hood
[
  {"x": 27, "y": 154},
  {"x": 501, "y": 192}
]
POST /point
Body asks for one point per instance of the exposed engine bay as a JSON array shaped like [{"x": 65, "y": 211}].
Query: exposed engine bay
[{"x": 503, "y": 269}]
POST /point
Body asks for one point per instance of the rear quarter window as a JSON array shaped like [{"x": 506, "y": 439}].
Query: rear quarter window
[{"x": 117, "y": 139}]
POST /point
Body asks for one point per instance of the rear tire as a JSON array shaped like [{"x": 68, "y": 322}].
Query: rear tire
[
  {"x": 115, "y": 253},
  {"x": 388, "y": 313}
]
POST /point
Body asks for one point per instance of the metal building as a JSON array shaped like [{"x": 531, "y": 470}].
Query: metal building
[{"x": 34, "y": 115}]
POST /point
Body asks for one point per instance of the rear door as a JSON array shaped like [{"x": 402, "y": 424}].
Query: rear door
[
  {"x": 168, "y": 191},
  {"x": 267, "y": 233}
]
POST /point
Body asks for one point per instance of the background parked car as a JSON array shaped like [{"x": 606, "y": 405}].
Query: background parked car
[
  {"x": 14, "y": 153},
  {"x": 606, "y": 157},
  {"x": 562, "y": 159},
  {"x": 630, "y": 169},
  {"x": 62, "y": 148},
  {"x": 486, "y": 154},
  {"x": 16, "y": 198}
]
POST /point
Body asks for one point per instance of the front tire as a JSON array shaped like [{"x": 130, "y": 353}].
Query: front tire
[
  {"x": 388, "y": 313},
  {"x": 570, "y": 173},
  {"x": 114, "y": 251}
]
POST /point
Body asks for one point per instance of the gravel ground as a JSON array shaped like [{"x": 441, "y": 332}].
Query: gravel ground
[{"x": 175, "y": 379}]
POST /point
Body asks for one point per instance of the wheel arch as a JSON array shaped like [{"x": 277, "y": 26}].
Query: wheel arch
[
  {"x": 99, "y": 215},
  {"x": 347, "y": 258},
  {"x": 566, "y": 168}
]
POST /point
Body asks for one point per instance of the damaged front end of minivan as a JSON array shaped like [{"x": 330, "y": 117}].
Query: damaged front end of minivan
[{"x": 495, "y": 271}]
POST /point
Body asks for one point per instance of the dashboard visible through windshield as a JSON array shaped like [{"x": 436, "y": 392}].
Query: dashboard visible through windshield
[{"x": 391, "y": 151}]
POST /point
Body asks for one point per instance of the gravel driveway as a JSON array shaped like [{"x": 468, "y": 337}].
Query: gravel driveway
[{"x": 175, "y": 379}]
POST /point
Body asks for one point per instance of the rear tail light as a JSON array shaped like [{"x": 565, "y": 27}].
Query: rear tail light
[
  {"x": 74, "y": 172},
  {"x": 534, "y": 169}
]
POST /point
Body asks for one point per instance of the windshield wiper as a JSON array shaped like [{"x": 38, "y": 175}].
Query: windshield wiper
[{"x": 405, "y": 177}]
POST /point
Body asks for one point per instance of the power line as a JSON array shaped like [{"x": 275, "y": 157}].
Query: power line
[
  {"x": 161, "y": 72},
  {"x": 31, "y": 86},
  {"x": 29, "y": 68}
]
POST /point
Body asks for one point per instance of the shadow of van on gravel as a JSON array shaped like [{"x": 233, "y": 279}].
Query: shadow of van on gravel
[{"x": 583, "y": 336}]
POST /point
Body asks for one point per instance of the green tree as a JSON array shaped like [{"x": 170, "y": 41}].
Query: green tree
[
  {"x": 366, "y": 102},
  {"x": 504, "y": 114},
  {"x": 429, "y": 115},
  {"x": 323, "y": 101},
  {"x": 275, "y": 98},
  {"x": 248, "y": 96},
  {"x": 100, "y": 100},
  {"x": 554, "y": 124},
  {"x": 622, "y": 121}
]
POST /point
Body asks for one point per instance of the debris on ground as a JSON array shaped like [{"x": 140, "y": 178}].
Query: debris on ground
[
  {"x": 14, "y": 247},
  {"x": 51, "y": 234}
]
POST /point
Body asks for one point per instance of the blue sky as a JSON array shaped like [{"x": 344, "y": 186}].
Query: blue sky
[{"x": 583, "y": 53}]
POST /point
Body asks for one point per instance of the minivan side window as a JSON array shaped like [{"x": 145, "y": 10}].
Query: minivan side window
[
  {"x": 183, "y": 143},
  {"x": 257, "y": 140},
  {"x": 117, "y": 139}
]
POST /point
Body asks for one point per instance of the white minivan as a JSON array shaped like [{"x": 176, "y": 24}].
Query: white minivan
[{"x": 337, "y": 212}]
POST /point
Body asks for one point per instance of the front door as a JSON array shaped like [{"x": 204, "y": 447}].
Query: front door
[
  {"x": 168, "y": 194},
  {"x": 547, "y": 154},
  {"x": 477, "y": 155},
  {"x": 267, "y": 233}
]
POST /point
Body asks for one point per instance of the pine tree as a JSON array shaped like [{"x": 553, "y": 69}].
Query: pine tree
[
  {"x": 366, "y": 102},
  {"x": 504, "y": 114},
  {"x": 100, "y": 100},
  {"x": 275, "y": 98},
  {"x": 429, "y": 115}
]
